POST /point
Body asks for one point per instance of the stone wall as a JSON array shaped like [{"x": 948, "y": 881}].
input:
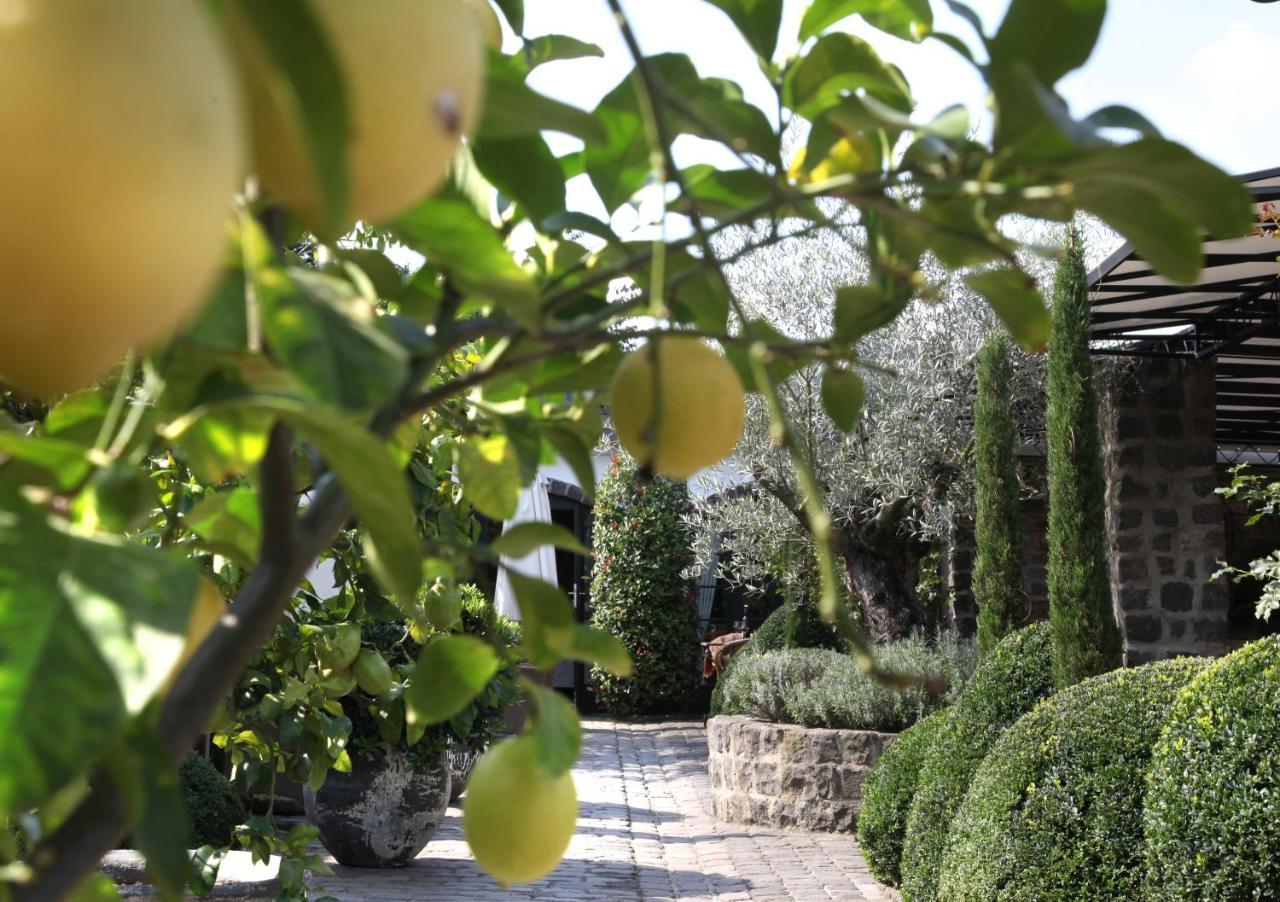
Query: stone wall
[
  {"x": 781, "y": 775},
  {"x": 961, "y": 552},
  {"x": 1165, "y": 527}
]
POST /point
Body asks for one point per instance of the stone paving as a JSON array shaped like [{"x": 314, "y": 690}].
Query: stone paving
[{"x": 644, "y": 833}]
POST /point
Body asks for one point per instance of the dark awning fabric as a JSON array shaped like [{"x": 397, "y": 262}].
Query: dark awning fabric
[{"x": 1231, "y": 313}]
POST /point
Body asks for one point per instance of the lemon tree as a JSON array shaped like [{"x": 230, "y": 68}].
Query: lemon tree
[{"x": 213, "y": 371}]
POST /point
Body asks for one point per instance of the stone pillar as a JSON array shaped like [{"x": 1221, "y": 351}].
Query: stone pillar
[
  {"x": 1165, "y": 527},
  {"x": 961, "y": 549}
]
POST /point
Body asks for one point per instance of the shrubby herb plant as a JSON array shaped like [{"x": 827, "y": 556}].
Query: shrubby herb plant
[{"x": 300, "y": 383}]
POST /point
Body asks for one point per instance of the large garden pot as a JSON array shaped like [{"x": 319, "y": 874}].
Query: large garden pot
[
  {"x": 384, "y": 812},
  {"x": 462, "y": 761}
]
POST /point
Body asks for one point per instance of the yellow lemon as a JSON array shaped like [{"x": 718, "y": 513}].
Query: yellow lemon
[
  {"x": 490, "y": 27},
  {"x": 122, "y": 137},
  {"x": 518, "y": 819},
  {"x": 414, "y": 76},
  {"x": 700, "y": 410}
]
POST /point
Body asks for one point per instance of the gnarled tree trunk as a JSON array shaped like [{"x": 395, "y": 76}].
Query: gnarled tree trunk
[{"x": 881, "y": 580}]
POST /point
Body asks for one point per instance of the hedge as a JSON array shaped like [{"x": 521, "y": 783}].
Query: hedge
[
  {"x": 1212, "y": 809},
  {"x": 1055, "y": 810},
  {"x": 886, "y": 798},
  {"x": 213, "y": 807},
  {"x": 816, "y": 687},
  {"x": 1007, "y": 684}
]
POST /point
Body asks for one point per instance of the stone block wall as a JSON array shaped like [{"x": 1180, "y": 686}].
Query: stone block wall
[
  {"x": 781, "y": 775},
  {"x": 1165, "y": 527},
  {"x": 961, "y": 552}
]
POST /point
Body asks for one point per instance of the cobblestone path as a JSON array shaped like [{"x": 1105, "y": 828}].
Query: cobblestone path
[{"x": 644, "y": 833}]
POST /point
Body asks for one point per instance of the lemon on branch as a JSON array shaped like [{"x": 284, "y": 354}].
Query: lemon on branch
[
  {"x": 121, "y": 129},
  {"x": 699, "y": 411},
  {"x": 517, "y": 817},
  {"x": 413, "y": 74},
  {"x": 372, "y": 672}
]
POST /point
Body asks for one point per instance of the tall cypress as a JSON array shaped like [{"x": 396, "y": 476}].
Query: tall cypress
[
  {"x": 997, "y": 572},
  {"x": 1086, "y": 640}
]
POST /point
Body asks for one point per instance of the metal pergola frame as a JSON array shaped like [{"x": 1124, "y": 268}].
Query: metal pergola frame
[{"x": 1230, "y": 314}]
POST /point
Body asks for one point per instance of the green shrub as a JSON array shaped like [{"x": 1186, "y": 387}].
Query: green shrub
[
  {"x": 817, "y": 687},
  {"x": 1212, "y": 808},
  {"x": 886, "y": 798},
  {"x": 1055, "y": 810},
  {"x": 1006, "y": 685},
  {"x": 805, "y": 628},
  {"x": 639, "y": 594},
  {"x": 213, "y": 807},
  {"x": 1086, "y": 638},
  {"x": 997, "y": 527}
]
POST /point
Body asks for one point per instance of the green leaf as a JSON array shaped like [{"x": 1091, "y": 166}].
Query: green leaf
[
  {"x": 843, "y": 394},
  {"x": 910, "y": 20},
  {"x": 618, "y": 161},
  {"x": 514, "y": 11},
  {"x": 757, "y": 20},
  {"x": 525, "y": 170},
  {"x": 148, "y": 779},
  {"x": 455, "y": 239},
  {"x": 576, "y": 453},
  {"x": 1052, "y": 36},
  {"x": 546, "y": 620},
  {"x": 1013, "y": 295},
  {"x": 602, "y": 649},
  {"x": 229, "y": 523},
  {"x": 343, "y": 361},
  {"x": 307, "y": 79},
  {"x": 489, "y": 470},
  {"x": 78, "y": 417},
  {"x": 96, "y": 888},
  {"x": 222, "y": 444},
  {"x": 205, "y": 862},
  {"x": 840, "y": 64},
  {"x": 65, "y": 461},
  {"x": 520, "y": 539},
  {"x": 557, "y": 732},
  {"x": 551, "y": 48},
  {"x": 93, "y": 624},
  {"x": 451, "y": 671},
  {"x": 514, "y": 110},
  {"x": 861, "y": 309}
]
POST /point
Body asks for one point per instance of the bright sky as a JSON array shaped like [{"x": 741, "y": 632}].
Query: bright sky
[{"x": 1201, "y": 70}]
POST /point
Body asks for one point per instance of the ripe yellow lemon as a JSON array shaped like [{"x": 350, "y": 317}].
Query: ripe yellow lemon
[
  {"x": 414, "y": 75},
  {"x": 121, "y": 147},
  {"x": 700, "y": 410},
  {"x": 490, "y": 27},
  {"x": 518, "y": 819}
]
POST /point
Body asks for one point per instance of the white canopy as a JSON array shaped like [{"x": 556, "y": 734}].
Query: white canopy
[{"x": 534, "y": 507}]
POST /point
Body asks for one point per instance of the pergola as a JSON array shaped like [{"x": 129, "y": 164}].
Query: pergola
[{"x": 1231, "y": 314}]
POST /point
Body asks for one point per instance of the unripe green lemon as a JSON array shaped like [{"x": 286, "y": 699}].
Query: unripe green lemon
[
  {"x": 518, "y": 818},
  {"x": 122, "y": 144},
  {"x": 414, "y": 76},
  {"x": 337, "y": 683},
  {"x": 700, "y": 410},
  {"x": 338, "y": 646},
  {"x": 372, "y": 672}
]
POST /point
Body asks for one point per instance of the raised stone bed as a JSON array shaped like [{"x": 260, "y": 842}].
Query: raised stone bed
[
  {"x": 240, "y": 879},
  {"x": 781, "y": 775}
]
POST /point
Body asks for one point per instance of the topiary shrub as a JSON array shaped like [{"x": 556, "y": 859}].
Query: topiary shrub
[
  {"x": 1011, "y": 679},
  {"x": 1055, "y": 810},
  {"x": 213, "y": 807},
  {"x": 816, "y": 687},
  {"x": 886, "y": 798},
  {"x": 639, "y": 594},
  {"x": 1212, "y": 809}
]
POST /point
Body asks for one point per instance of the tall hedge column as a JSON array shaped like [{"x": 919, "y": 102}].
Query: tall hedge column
[
  {"x": 1086, "y": 640},
  {"x": 997, "y": 573},
  {"x": 642, "y": 545}
]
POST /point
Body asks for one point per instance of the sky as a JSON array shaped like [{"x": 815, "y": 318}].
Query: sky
[{"x": 1201, "y": 70}]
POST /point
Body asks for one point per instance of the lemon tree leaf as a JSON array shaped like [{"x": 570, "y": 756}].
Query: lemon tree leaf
[
  {"x": 489, "y": 469},
  {"x": 600, "y": 648},
  {"x": 229, "y": 523},
  {"x": 843, "y": 394},
  {"x": 451, "y": 671},
  {"x": 556, "y": 730},
  {"x": 96, "y": 625},
  {"x": 148, "y": 781},
  {"x": 1052, "y": 36},
  {"x": 757, "y": 20},
  {"x": 63, "y": 460},
  {"x": 1014, "y": 297},
  {"x": 861, "y": 309},
  {"x": 910, "y": 20},
  {"x": 520, "y": 539}
]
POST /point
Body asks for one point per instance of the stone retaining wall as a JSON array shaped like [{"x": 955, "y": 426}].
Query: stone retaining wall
[{"x": 780, "y": 775}]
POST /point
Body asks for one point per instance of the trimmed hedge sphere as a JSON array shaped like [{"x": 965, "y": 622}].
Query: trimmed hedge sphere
[
  {"x": 213, "y": 807},
  {"x": 886, "y": 798},
  {"x": 1007, "y": 684},
  {"x": 1055, "y": 810},
  {"x": 1212, "y": 812}
]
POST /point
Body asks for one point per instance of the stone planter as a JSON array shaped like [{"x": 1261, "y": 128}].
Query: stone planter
[
  {"x": 461, "y": 762},
  {"x": 384, "y": 812},
  {"x": 781, "y": 775},
  {"x": 240, "y": 878}
]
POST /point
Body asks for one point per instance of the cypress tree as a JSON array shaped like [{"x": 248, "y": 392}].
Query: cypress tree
[
  {"x": 997, "y": 572},
  {"x": 1086, "y": 640}
]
